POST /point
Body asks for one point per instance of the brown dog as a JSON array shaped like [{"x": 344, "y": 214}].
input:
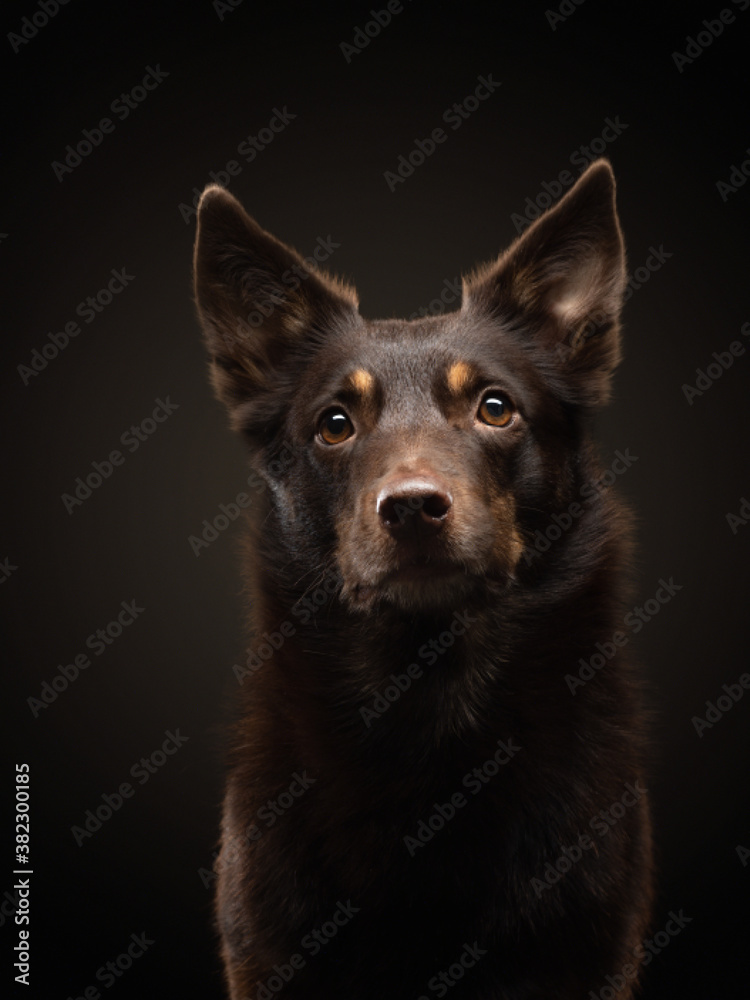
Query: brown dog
[{"x": 419, "y": 802}]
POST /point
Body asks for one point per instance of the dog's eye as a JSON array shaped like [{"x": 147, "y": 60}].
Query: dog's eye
[
  {"x": 496, "y": 410},
  {"x": 335, "y": 427}
]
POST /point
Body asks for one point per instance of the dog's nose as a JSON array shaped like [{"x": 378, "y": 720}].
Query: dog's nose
[{"x": 414, "y": 504}]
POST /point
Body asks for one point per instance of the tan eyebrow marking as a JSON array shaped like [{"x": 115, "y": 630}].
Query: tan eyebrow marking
[
  {"x": 459, "y": 374},
  {"x": 362, "y": 381}
]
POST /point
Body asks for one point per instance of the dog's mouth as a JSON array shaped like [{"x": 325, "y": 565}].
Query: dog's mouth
[{"x": 419, "y": 572}]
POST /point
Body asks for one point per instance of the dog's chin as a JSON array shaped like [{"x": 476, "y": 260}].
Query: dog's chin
[{"x": 415, "y": 588}]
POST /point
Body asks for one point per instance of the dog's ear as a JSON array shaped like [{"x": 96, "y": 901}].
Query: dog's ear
[
  {"x": 561, "y": 283},
  {"x": 263, "y": 308}
]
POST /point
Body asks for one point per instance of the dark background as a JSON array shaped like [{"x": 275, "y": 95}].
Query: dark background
[{"x": 323, "y": 175}]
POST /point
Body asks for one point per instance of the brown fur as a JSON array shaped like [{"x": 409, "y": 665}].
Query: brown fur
[{"x": 364, "y": 558}]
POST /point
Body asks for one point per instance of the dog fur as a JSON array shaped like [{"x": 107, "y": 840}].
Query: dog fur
[{"x": 405, "y": 552}]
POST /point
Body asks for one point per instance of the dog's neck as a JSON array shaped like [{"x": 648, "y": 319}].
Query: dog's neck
[{"x": 389, "y": 676}]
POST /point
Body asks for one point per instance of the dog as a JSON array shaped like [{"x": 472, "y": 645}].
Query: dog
[{"x": 419, "y": 804}]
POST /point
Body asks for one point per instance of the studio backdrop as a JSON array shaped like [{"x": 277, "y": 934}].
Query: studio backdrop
[{"x": 401, "y": 144}]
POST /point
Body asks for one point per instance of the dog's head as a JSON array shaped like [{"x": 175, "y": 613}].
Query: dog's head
[{"x": 416, "y": 456}]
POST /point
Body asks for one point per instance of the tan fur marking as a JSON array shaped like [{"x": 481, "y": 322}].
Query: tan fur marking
[
  {"x": 458, "y": 376},
  {"x": 362, "y": 381}
]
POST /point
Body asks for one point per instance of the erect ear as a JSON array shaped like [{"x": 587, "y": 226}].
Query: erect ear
[
  {"x": 561, "y": 284},
  {"x": 264, "y": 309}
]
